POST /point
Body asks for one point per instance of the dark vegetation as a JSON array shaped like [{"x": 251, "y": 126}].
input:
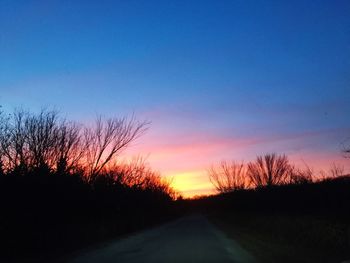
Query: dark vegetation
[
  {"x": 281, "y": 213},
  {"x": 63, "y": 188}
]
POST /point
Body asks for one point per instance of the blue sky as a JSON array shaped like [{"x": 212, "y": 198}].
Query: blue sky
[{"x": 201, "y": 71}]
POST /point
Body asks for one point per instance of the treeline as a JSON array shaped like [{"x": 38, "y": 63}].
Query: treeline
[
  {"x": 266, "y": 171},
  {"x": 329, "y": 198},
  {"x": 271, "y": 205},
  {"x": 62, "y": 185},
  {"x": 272, "y": 184}
]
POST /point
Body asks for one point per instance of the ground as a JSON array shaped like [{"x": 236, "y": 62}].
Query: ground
[{"x": 189, "y": 239}]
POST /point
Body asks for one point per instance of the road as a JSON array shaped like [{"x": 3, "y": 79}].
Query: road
[{"x": 188, "y": 239}]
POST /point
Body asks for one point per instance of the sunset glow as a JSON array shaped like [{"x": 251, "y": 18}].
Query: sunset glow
[
  {"x": 174, "y": 131},
  {"x": 185, "y": 160},
  {"x": 219, "y": 80}
]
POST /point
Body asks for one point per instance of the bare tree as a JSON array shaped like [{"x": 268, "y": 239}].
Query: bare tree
[
  {"x": 228, "y": 177},
  {"x": 301, "y": 176},
  {"x": 107, "y": 139},
  {"x": 3, "y": 124},
  {"x": 132, "y": 173},
  {"x": 3, "y": 139},
  {"x": 27, "y": 140},
  {"x": 268, "y": 170},
  {"x": 322, "y": 175},
  {"x": 138, "y": 174},
  {"x": 43, "y": 141},
  {"x": 69, "y": 149},
  {"x": 336, "y": 170},
  {"x": 41, "y": 138},
  {"x": 14, "y": 148}
]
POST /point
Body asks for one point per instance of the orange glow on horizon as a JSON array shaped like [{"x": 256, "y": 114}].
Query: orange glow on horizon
[
  {"x": 185, "y": 159},
  {"x": 191, "y": 183}
]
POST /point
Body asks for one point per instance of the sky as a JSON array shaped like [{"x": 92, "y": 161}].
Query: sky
[{"x": 218, "y": 80}]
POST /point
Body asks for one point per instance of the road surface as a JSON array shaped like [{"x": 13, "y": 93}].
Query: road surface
[{"x": 189, "y": 239}]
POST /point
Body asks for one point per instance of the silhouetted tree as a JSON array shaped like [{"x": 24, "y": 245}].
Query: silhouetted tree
[
  {"x": 70, "y": 148},
  {"x": 40, "y": 133},
  {"x": 301, "y": 175},
  {"x": 228, "y": 177},
  {"x": 14, "y": 147},
  {"x": 2, "y": 171},
  {"x": 336, "y": 170},
  {"x": 44, "y": 142},
  {"x": 107, "y": 139},
  {"x": 268, "y": 170},
  {"x": 137, "y": 174},
  {"x": 39, "y": 142},
  {"x": 57, "y": 177},
  {"x": 3, "y": 122}
]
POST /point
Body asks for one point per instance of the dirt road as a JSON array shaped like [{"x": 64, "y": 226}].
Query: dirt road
[{"x": 189, "y": 239}]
